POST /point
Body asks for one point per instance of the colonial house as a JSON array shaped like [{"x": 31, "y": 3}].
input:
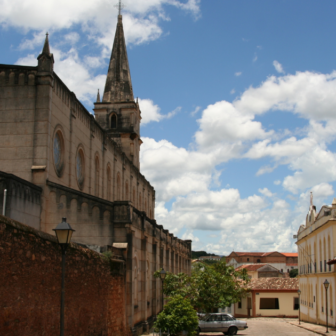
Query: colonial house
[
  {"x": 283, "y": 261},
  {"x": 270, "y": 297}
]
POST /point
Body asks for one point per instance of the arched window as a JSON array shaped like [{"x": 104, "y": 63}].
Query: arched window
[
  {"x": 80, "y": 168},
  {"x": 145, "y": 205},
  {"x": 97, "y": 176},
  {"x": 118, "y": 187},
  {"x": 133, "y": 197},
  {"x": 114, "y": 121},
  {"x": 108, "y": 176},
  {"x": 139, "y": 205},
  {"x": 58, "y": 150}
]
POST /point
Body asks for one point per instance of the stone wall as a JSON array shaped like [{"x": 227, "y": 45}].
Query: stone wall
[
  {"x": 23, "y": 201},
  {"x": 30, "y": 268}
]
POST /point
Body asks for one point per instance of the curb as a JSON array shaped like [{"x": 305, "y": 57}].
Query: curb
[{"x": 303, "y": 327}]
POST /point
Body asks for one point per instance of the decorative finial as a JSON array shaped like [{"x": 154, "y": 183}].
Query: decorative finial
[
  {"x": 120, "y": 6},
  {"x": 47, "y": 34},
  {"x": 311, "y": 198},
  {"x": 98, "y": 97}
]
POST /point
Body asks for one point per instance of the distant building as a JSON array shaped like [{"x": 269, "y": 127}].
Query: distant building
[
  {"x": 316, "y": 241},
  {"x": 256, "y": 271},
  {"x": 270, "y": 297},
  {"x": 283, "y": 261},
  {"x": 217, "y": 258}
]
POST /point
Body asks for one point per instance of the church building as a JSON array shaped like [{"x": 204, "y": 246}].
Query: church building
[{"x": 59, "y": 160}]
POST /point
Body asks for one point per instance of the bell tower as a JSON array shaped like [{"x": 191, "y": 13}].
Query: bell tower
[{"x": 118, "y": 113}]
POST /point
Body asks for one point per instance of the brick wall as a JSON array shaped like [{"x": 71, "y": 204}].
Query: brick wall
[{"x": 30, "y": 287}]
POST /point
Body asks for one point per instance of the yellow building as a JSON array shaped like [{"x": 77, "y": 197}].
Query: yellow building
[
  {"x": 270, "y": 297},
  {"x": 316, "y": 247}
]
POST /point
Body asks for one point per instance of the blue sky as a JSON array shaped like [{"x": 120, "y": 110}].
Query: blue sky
[{"x": 237, "y": 97}]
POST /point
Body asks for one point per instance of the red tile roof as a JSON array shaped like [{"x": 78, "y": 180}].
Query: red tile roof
[
  {"x": 250, "y": 267},
  {"x": 289, "y": 264},
  {"x": 264, "y": 254},
  {"x": 257, "y": 254},
  {"x": 290, "y": 254},
  {"x": 274, "y": 284}
]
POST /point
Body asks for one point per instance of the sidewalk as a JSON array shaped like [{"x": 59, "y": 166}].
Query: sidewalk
[{"x": 319, "y": 329}]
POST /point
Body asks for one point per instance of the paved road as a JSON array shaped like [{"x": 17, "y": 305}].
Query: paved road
[{"x": 269, "y": 327}]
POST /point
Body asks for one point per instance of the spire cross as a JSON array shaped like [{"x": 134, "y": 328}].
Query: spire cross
[{"x": 120, "y": 6}]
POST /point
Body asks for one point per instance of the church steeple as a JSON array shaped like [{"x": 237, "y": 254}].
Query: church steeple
[
  {"x": 118, "y": 86},
  {"x": 118, "y": 114}
]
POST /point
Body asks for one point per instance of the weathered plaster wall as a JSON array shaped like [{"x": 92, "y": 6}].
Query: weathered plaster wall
[{"x": 30, "y": 282}]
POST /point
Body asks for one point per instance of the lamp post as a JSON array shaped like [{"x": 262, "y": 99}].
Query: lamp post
[
  {"x": 162, "y": 276},
  {"x": 299, "y": 292},
  {"x": 326, "y": 286},
  {"x": 63, "y": 233}
]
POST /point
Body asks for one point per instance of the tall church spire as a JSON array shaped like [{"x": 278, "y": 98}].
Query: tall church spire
[{"x": 118, "y": 86}]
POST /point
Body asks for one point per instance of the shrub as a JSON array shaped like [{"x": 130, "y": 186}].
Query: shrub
[{"x": 177, "y": 315}]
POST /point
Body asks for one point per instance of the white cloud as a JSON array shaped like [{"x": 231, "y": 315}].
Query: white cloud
[
  {"x": 223, "y": 123},
  {"x": 37, "y": 40},
  {"x": 72, "y": 37},
  {"x": 193, "y": 113},
  {"x": 278, "y": 67},
  {"x": 309, "y": 94},
  {"x": 265, "y": 170},
  {"x": 151, "y": 112},
  {"x": 314, "y": 167},
  {"x": 237, "y": 74},
  {"x": 233, "y": 91},
  {"x": 266, "y": 192},
  {"x": 141, "y": 18},
  {"x": 255, "y": 58},
  {"x": 277, "y": 182},
  {"x": 162, "y": 162}
]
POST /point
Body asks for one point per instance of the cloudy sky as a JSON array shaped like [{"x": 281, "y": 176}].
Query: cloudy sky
[{"x": 238, "y": 103}]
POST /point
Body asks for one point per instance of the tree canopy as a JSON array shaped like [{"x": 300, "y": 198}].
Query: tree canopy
[{"x": 209, "y": 287}]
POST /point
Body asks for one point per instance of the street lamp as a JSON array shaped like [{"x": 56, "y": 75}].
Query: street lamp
[
  {"x": 299, "y": 292},
  {"x": 326, "y": 286},
  {"x": 63, "y": 233},
  {"x": 163, "y": 274}
]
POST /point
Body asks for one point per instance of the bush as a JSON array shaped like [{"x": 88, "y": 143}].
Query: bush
[
  {"x": 177, "y": 315},
  {"x": 293, "y": 273}
]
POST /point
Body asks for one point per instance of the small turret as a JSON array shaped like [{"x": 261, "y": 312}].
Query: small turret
[
  {"x": 98, "y": 97},
  {"x": 46, "y": 59}
]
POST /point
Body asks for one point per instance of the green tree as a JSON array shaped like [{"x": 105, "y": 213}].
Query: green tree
[
  {"x": 177, "y": 315},
  {"x": 293, "y": 273},
  {"x": 209, "y": 287}
]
